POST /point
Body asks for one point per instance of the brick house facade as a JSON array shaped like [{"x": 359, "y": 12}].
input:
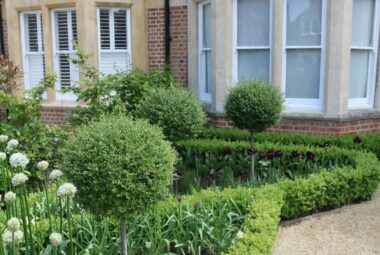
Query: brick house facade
[{"x": 188, "y": 24}]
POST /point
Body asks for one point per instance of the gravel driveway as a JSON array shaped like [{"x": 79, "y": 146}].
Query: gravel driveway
[{"x": 353, "y": 229}]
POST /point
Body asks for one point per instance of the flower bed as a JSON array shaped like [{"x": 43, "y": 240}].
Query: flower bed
[{"x": 222, "y": 163}]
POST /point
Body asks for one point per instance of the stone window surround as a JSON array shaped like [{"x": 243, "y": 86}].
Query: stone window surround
[
  {"x": 337, "y": 61},
  {"x": 86, "y": 25}
]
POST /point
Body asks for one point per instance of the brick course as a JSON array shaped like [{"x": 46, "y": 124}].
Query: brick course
[
  {"x": 178, "y": 33},
  {"x": 318, "y": 127},
  {"x": 56, "y": 116}
]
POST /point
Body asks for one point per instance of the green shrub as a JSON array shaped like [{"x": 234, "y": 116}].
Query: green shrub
[
  {"x": 254, "y": 105},
  {"x": 113, "y": 93},
  {"x": 331, "y": 189},
  {"x": 215, "y": 162},
  {"x": 367, "y": 142},
  {"x": 261, "y": 223},
  {"x": 120, "y": 166},
  {"x": 177, "y": 111}
]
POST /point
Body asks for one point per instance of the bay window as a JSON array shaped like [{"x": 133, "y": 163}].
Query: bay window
[
  {"x": 65, "y": 38},
  {"x": 363, "y": 53},
  {"x": 205, "y": 51},
  {"x": 33, "y": 48},
  {"x": 303, "y": 62},
  {"x": 252, "y": 40},
  {"x": 114, "y": 39}
]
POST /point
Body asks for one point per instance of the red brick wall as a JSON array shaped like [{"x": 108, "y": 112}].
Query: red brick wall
[
  {"x": 319, "y": 127},
  {"x": 56, "y": 116},
  {"x": 156, "y": 40}
]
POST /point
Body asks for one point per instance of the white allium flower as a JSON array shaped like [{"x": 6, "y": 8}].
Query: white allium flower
[
  {"x": 19, "y": 235},
  {"x": 9, "y": 197},
  {"x": 55, "y": 174},
  {"x": 12, "y": 144},
  {"x": 19, "y": 179},
  {"x": 239, "y": 235},
  {"x": 3, "y": 138},
  {"x": 55, "y": 239},
  {"x": 42, "y": 165},
  {"x": 3, "y": 156},
  {"x": 8, "y": 236},
  {"x": 13, "y": 224},
  {"x": 67, "y": 190},
  {"x": 18, "y": 160}
]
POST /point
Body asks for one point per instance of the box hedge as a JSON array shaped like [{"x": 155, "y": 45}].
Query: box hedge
[{"x": 367, "y": 142}]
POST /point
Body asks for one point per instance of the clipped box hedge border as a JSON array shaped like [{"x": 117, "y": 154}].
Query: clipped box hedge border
[
  {"x": 368, "y": 142},
  {"x": 292, "y": 198}
]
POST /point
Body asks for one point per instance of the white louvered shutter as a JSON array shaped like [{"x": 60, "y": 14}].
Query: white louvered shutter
[
  {"x": 114, "y": 39},
  {"x": 33, "y": 48},
  {"x": 65, "y": 40}
]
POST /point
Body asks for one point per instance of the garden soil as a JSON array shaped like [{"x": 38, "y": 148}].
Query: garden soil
[{"x": 350, "y": 230}]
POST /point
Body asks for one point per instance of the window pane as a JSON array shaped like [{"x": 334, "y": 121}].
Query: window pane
[
  {"x": 207, "y": 26},
  {"x": 253, "y": 64},
  {"x": 253, "y": 21},
  {"x": 304, "y": 22},
  {"x": 359, "y": 73},
  {"x": 74, "y": 28},
  {"x": 31, "y": 29},
  {"x": 208, "y": 72},
  {"x": 303, "y": 74},
  {"x": 62, "y": 30},
  {"x": 362, "y": 22},
  {"x": 120, "y": 21},
  {"x": 105, "y": 37}
]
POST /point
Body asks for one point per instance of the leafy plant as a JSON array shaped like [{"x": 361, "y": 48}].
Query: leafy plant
[
  {"x": 254, "y": 105},
  {"x": 9, "y": 73},
  {"x": 113, "y": 93},
  {"x": 176, "y": 111},
  {"x": 123, "y": 159}
]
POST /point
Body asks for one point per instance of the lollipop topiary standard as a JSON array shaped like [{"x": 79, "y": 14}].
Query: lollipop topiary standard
[
  {"x": 176, "y": 110},
  {"x": 120, "y": 167},
  {"x": 254, "y": 105}
]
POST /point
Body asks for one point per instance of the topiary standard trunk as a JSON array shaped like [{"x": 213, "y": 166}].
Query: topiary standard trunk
[
  {"x": 123, "y": 237},
  {"x": 252, "y": 155}
]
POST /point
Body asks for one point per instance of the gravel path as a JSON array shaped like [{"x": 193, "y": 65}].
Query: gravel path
[{"x": 353, "y": 229}]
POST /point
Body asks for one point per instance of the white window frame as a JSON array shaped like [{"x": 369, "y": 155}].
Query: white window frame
[
  {"x": 128, "y": 51},
  {"x": 300, "y": 104},
  {"x": 236, "y": 48},
  {"x": 205, "y": 97},
  {"x": 25, "y": 53},
  {"x": 57, "y": 52},
  {"x": 368, "y": 102}
]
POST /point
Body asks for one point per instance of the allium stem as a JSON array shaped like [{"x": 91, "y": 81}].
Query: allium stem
[
  {"x": 70, "y": 225},
  {"x": 24, "y": 222},
  {"x": 47, "y": 202},
  {"x": 25, "y": 195},
  {"x": 252, "y": 157}
]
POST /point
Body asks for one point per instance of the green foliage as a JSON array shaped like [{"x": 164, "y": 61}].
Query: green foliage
[
  {"x": 23, "y": 122},
  {"x": 331, "y": 189},
  {"x": 203, "y": 223},
  {"x": 367, "y": 142},
  {"x": 177, "y": 111},
  {"x": 121, "y": 159},
  {"x": 254, "y": 105},
  {"x": 215, "y": 162},
  {"x": 113, "y": 93},
  {"x": 261, "y": 223}
]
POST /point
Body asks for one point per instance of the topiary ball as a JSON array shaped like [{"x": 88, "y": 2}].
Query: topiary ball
[
  {"x": 120, "y": 166},
  {"x": 254, "y": 105},
  {"x": 175, "y": 110}
]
